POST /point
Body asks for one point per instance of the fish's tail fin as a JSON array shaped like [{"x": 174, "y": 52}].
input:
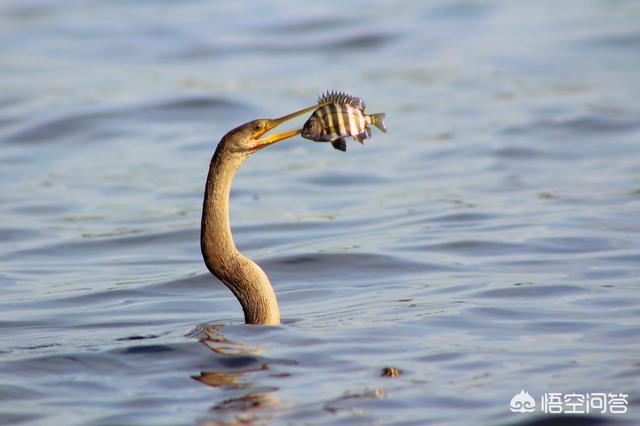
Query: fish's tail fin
[{"x": 378, "y": 121}]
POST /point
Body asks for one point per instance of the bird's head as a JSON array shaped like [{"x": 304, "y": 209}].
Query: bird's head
[{"x": 249, "y": 137}]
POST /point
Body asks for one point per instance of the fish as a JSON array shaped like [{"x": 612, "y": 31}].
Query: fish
[{"x": 340, "y": 116}]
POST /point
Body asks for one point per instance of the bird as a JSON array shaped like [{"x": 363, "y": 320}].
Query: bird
[{"x": 246, "y": 280}]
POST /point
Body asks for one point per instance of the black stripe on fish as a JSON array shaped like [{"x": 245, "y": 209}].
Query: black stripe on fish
[
  {"x": 334, "y": 128},
  {"x": 340, "y": 118},
  {"x": 321, "y": 120},
  {"x": 324, "y": 114}
]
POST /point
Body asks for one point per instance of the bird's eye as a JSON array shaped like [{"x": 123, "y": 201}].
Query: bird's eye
[{"x": 257, "y": 127}]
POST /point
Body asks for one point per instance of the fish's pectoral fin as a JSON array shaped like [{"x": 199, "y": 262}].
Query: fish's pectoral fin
[{"x": 340, "y": 144}]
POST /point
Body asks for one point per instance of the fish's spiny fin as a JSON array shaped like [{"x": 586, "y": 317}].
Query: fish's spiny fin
[
  {"x": 340, "y": 144},
  {"x": 342, "y": 98},
  {"x": 378, "y": 121}
]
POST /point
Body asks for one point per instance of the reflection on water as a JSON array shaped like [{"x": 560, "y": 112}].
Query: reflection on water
[
  {"x": 248, "y": 407},
  {"x": 251, "y": 403},
  {"x": 211, "y": 336},
  {"x": 487, "y": 244}
]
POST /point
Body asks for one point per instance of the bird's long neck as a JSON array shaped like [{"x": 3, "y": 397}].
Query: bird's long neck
[{"x": 245, "y": 279}]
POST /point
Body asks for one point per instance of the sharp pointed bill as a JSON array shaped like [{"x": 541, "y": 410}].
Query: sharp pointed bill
[
  {"x": 340, "y": 115},
  {"x": 273, "y": 123}
]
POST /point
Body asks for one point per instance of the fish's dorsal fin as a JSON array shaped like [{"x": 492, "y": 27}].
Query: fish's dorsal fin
[{"x": 342, "y": 98}]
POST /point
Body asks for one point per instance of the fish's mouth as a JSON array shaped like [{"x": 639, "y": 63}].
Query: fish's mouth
[{"x": 271, "y": 124}]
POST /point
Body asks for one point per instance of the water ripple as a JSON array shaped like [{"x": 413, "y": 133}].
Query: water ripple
[
  {"x": 530, "y": 290},
  {"x": 360, "y": 40},
  {"x": 91, "y": 124},
  {"x": 588, "y": 125}
]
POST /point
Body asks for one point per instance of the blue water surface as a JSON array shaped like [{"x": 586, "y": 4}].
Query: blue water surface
[{"x": 489, "y": 243}]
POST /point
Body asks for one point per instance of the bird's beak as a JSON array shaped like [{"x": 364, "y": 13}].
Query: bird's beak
[{"x": 276, "y": 137}]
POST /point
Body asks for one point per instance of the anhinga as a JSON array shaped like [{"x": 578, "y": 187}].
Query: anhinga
[{"x": 246, "y": 280}]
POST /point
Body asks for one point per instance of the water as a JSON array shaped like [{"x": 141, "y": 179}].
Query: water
[{"x": 488, "y": 243}]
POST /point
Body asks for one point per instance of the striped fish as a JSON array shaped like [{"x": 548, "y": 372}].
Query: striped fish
[{"x": 341, "y": 116}]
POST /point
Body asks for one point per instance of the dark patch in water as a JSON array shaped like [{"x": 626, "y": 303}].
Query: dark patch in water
[
  {"x": 572, "y": 244},
  {"x": 104, "y": 244},
  {"x": 240, "y": 362},
  {"x": 36, "y": 208},
  {"x": 14, "y": 235},
  {"x": 550, "y": 327},
  {"x": 358, "y": 41},
  {"x": 194, "y": 104},
  {"x": 196, "y": 283},
  {"x": 453, "y": 403},
  {"x": 626, "y": 332},
  {"x": 461, "y": 10},
  {"x": 443, "y": 357},
  {"x": 129, "y": 338},
  {"x": 35, "y": 347},
  {"x": 258, "y": 399},
  {"x": 531, "y": 290},
  {"x": 310, "y": 25},
  {"x": 624, "y": 40},
  {"x": 482, "y": 248},
  {"x": 7, "y": 418},
  {"x": 345, "y": 179},
  {"x": 88, "y": 299},
  {"x": 475, "y": 248},
  {"x": 522, "y": 153},
  {"x": 355, "y": 265},
  {"x": 90, "y": 363},
  {"x": 150, "y": 349},
  {"x": 463, "y": 217},
  {"x": 499, "y": 313},
  {"x": 589, "y": 126},
  {"x": 19, "y": 393}
]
